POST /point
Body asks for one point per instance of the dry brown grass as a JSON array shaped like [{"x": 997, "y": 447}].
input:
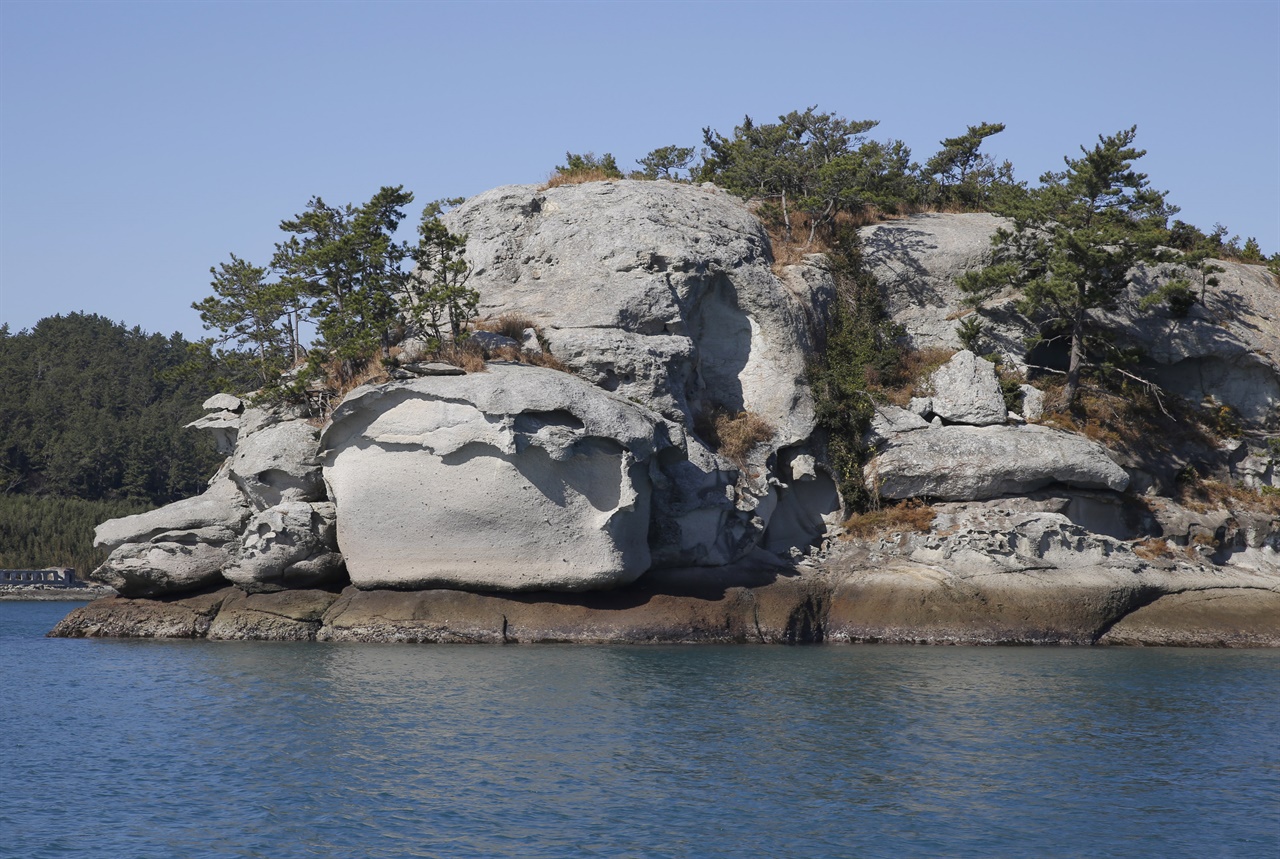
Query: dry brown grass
[
  {"x": 790, "y": 251},
  {"x": 1130, "y": 420},
  {"x": 577, "y": 177},
  {"x": 1205, "y": 540},
  {"x": 913, "y": 516},
  {"x": 545, "y": 359},
  {"x": 509, "y": 324},
  {"x": 912, "y": 376},
  {"x": 1203, "y": 494},
  {"x": 734, "y": 435},
  {"x": 1153, "y": 548}
]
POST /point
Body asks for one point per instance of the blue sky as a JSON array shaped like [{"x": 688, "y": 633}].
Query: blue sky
[{"x": 141, "y": 143}]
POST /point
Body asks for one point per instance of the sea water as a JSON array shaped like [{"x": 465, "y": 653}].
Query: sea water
[{"x": 119, "y": 748}]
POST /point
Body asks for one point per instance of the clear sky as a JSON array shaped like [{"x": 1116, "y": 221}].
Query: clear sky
[{"x": 141, "y": 143}]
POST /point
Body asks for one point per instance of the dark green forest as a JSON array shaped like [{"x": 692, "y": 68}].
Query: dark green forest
[{"x": 91, "y": 417}]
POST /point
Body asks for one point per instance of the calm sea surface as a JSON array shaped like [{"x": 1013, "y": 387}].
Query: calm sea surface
[{"x": 175, "y": 749}]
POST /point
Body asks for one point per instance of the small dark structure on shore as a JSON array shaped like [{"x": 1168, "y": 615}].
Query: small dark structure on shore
[{"x": 53, "y": 577}]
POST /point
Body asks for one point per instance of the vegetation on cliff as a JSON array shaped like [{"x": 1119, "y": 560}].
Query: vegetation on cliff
[
  {"x": 1073, "y": 243},
  {"x": 341, "y": 272}
]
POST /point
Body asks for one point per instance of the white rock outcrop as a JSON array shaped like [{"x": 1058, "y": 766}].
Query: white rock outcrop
[
  {"x": 916, "y": 261},
  {"x": 1227, "y": 348},
  {"x": 275, "y": 459},
  {"x": 962, "y": 463},
  {"x": 177, "y": 547},
  {"x": 262, "y": 522},
  {"x": 660, "y": 291},
  {"x": 519, "y": 478}
]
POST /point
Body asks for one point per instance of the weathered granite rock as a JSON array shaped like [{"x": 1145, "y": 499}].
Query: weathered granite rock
[
  {"x": 218, "y": 507},
  {"x": 492, "y": 340},
  {"x": 888, "y": 421},
  {"x": 1012, "y": 570},
  {"x": 433, "y": 368},
  {"x": 916, "y": 261},
  {"x": 517, "y": 478},
  {"x": 181, "y": 546},
  {"x": 177, "y": 561},
  {"x": 961, "y": 463},
  {"x": 275, "y": 460},
  {"x": 674, "y": 280},
  {"x": 655, "y": 369},
  {"x": 1227, "y": 349},
  {"x": 1032, "y": 402},
  {"x": 186, "y": 545},
  {"x": 966, "y": 391},
  {"x": 291, "y": 545},
  {"x": 224, "y": 402},
  {"x": 223, "y": 420}
]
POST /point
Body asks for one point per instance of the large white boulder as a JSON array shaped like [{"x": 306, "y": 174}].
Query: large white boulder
[{"x": 519, "y": 478}]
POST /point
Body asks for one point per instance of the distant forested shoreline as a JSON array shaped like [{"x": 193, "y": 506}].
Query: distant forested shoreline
[{"x": 91, "y": 417}]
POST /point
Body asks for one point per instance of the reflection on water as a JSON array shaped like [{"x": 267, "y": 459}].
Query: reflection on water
[{"x": 278, "y": 750}]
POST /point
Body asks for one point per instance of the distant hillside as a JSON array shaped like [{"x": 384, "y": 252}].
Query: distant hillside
[
  {"x": 91, "y": 417},
  {"x": 90, "y": 409}
]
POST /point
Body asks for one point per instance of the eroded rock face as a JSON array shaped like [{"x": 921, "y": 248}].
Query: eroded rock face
[
  {"x": 271, "y": 477},
  {"x": 177, "y": 547},
  {"x": 1227, "y": 348},
  {"x": 916, "y": 261},
  {"x": 275, "y": 460},
  {"x": 962, "y": 463},
  {"x": 664, "y": 294},
  {"x": 660, "y": 291},
  {"x": 291, "y": 545},
  {"x": 519, "y": 478}
]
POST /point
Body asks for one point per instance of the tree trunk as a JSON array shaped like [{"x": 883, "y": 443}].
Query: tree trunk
[{"x": 1077, "y": 358}]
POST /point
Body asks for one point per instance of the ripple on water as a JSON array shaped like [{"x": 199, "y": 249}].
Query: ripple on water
[{"x": 238, "y": 749}]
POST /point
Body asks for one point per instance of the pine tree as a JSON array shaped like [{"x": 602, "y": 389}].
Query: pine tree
[
  {"x": 961, "y": 175},
  {"x": 438, "y": 296},
  {"x": 249, "y": 312},
  {"x": 1073, "y": 244},
  {"x": 347, "y": 262}
]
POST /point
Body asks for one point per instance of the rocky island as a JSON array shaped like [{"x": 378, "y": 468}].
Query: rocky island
[{"x": 664, "y": 477}]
